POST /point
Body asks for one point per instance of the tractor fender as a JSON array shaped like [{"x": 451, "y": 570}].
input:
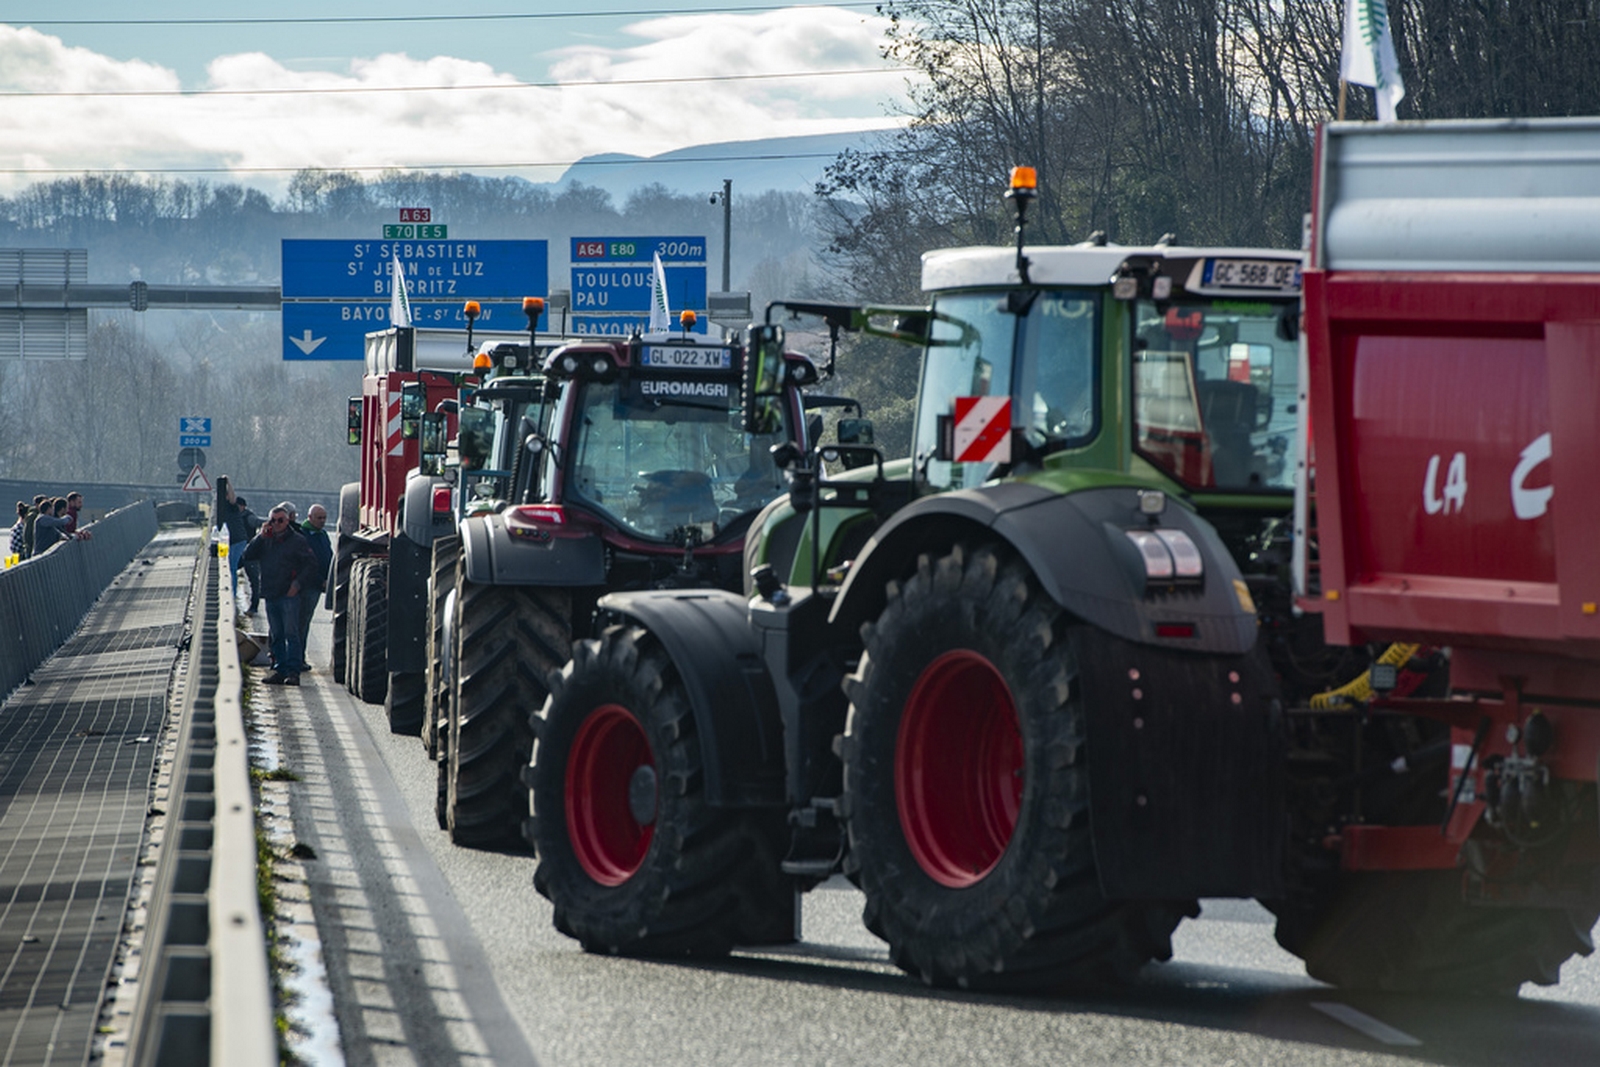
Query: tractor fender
[
  {"x": 349, "y": 509},
  {"x": 491, "y": 556},
  {"x": 707, "y": 634},
  {"x": 1075, "y": 544},
  {"x": 418, "y": 520}
]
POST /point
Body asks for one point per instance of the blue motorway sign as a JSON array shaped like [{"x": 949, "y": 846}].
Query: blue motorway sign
[
  {"x": 434, "y": 270},
  {"x": 610, "y": 288},
  {"x": 328, "y": 331},
  {"x": 637, "y": 250}
]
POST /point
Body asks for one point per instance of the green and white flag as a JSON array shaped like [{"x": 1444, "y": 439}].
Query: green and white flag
[
  {"x": 660, "y": 313},
  {"x": 1369, "y": 57}
]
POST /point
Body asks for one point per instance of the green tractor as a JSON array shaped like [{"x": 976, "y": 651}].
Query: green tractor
[{"x": 1011, "y": 686}]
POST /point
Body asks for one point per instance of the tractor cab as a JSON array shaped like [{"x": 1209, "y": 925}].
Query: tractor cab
[
  {"x": 646, "y": 438},
  {"x": 1114, "y": 359}
]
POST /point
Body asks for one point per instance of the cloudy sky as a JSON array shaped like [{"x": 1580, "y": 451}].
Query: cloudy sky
[{"x": 202, "y": 90}]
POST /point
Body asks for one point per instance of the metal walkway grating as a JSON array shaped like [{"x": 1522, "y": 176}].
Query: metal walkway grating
[{"x": 77, "y": 751}]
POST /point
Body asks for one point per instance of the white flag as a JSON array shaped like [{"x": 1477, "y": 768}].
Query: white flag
[
  {"x": 1369, "y": 56},
  {"x": 399, "y": 303},
  {"x": 660, "y": 311}
]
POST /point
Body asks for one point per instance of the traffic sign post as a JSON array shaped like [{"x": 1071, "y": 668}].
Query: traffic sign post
[{"x": 337, "y": 291}]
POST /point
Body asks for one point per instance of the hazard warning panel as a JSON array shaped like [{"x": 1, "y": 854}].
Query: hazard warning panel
[
  {"x": 197, "y": 482},
  {"x": 982, "y": 431}
]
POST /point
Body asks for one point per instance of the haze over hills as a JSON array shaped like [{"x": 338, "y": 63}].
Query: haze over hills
[{"x": 783, "y": 164}]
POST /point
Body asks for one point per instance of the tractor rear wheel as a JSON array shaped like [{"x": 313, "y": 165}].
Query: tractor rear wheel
[
  {"x": 345, "y": 555},
  {"x": 1411, "y": 932},
  {"x": 966, "y": 789},
  {"x": 631, "y": 856},
  {"x": 371, "y": 646},
  {"x": 403, "y": 701},
  {"x": 509, "y": 640},
  {"x": 353, "y": 616},
  {"x": 436, "y": 696}
]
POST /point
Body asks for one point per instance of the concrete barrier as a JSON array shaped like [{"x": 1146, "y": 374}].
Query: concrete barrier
[{"x": 42, "y": 600}]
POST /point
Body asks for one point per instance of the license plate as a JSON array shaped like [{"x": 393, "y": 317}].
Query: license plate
[
  {"x": 1275, "y": 274},
  {"x": 687, "y": 357}
]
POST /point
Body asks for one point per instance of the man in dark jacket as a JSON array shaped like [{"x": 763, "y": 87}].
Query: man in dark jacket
[
  {"x": 322, "y": 548},
  {"x": 287, "y": 565}
]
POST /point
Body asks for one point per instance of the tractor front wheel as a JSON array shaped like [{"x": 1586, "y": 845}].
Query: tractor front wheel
[{"x": 630, "y": 854}]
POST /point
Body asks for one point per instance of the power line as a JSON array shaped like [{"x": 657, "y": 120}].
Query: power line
[
  {"x": 379, "y": 167},
  {"x": 474, "y": 87},
  {"x": 264, "y": 20}
]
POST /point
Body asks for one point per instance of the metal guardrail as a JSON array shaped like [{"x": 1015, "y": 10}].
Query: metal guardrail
[
  {"x": 206, "y": 995},
  {"x": 42, "y": 600}
]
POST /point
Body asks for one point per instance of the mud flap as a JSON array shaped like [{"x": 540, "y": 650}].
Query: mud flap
[{"x": 1187, "y": 771}]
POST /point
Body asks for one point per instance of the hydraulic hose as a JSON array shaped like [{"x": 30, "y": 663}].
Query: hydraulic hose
[{"x": 1359, "y": 689}]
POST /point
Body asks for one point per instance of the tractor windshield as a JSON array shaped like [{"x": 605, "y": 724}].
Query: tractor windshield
[
  {"x": 1214, "y": 387},
  {"x": 662, "y": 457},
  {"x": 1037, "y": 347}
]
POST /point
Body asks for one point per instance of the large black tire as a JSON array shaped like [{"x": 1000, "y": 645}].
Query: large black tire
[
  {"x": 344, "y": 557},
  {"x": 353, "y": 615},
  {"x": 1411, "y": 932},
  {"x": 371, "y": 644},
  {"x": 403, "y": 701},
  {"x": 631, "y": 856},
  {"x": 436, "y": 696},
  {"x": 509, "y": 640},
  {"x": 966, "y": 789}
]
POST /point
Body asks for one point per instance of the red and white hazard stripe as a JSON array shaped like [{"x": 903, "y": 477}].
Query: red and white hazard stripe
[
  {"x": 392, "y": 437},
  {"x": 982, "y": 431}
]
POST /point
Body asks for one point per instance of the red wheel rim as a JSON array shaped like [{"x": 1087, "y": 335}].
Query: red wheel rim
[
  {"x": 958, "y": 770},
  {"x": 609, "y": 842}
]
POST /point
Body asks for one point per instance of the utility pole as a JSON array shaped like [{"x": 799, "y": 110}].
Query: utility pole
[{"x": 727, "y": 228}]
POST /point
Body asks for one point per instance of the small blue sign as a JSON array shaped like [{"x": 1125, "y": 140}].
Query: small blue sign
[
  {"x": 193, "y": 424},
  {"x": 638, "y": 250},
  {"x": 338, "y": 330},
  {"x": 194, "y": 440},
  {"x": 445, "y": 271}
]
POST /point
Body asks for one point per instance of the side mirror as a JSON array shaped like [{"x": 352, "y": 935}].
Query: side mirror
[
  {"x": 855, "y": 432},
  {"x": 761, "y": 398},
  {"x": 435, "y": 442},
  {"x": 412, "y": 401},
  {"x": 475, "y": 437},
  {"x": 352, "y": 420}
]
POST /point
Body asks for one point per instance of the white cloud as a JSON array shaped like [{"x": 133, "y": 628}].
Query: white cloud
[{"x": 460, "y": 127}]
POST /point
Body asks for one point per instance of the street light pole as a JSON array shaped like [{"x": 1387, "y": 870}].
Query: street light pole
[{"x": 727, "y": 224}]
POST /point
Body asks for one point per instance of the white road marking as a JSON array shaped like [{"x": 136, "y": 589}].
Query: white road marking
[{"x": 1360, "y": 1020}]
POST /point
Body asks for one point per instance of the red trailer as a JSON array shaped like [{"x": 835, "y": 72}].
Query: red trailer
[{"x": 1452, "y": 337}]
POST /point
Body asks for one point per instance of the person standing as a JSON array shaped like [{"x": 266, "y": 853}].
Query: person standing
[
  {"x": 311, "y": 591},
  {"x": 27, "y": 531},
  {"x": 18, "y": 528},
  {"x": 51, "y": 526},
  {"x": 286, "y": 559},
  {"x": 74, "y": 505},
  {"x": 252, "y": 569},
  {"x": 228, "y": 516}
]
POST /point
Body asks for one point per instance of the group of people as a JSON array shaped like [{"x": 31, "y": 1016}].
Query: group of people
[
  {"x": 287, "y": 563},
  {"x": 44, "y": 522}
]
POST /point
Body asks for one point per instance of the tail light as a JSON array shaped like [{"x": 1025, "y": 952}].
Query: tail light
[{"x": 441, "y": 499}]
